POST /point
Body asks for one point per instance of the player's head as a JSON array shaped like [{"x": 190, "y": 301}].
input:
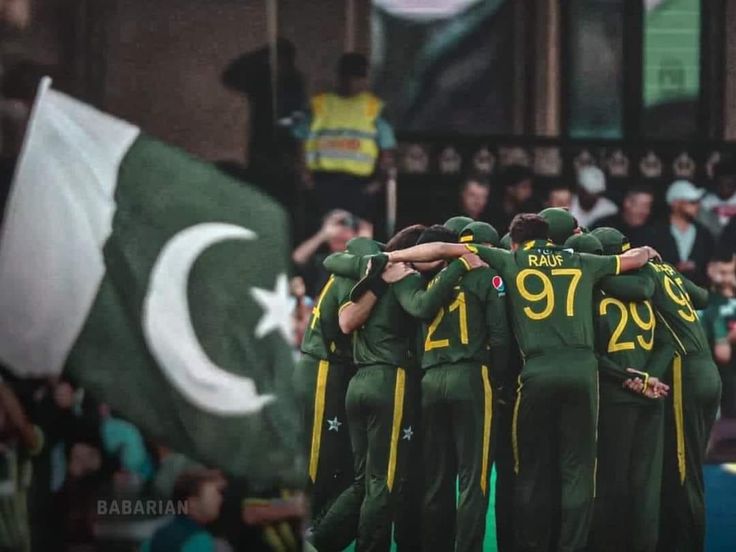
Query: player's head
[
  {"x": 363, "y": 246},
  {"x": 435, "y": 233},
  {"x": 612, "y": 240},
  {"x": 456, "y": 224},
  {"x": 527, "y": 227},
  {"x": 481, "y": 233},
  {"x": 584, "y": 243},
  {"x": 406, "y": 237},
  {"x": 561, "y": 223},
  {"x": 474, "y": 195},
  {"x": 505, "y": 242},
  {"x": 352, "y": 73}
]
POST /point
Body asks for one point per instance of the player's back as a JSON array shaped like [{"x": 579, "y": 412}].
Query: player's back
[
  {"x": 675, "y": 306},
  {"x": 323, "y": 338},
  {"x": 551, "y": 293}
]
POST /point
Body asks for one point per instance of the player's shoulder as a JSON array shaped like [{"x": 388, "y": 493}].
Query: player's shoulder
[{"x": 480, "y": 278}]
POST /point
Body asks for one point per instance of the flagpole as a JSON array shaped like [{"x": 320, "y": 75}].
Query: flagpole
[{"x": 272, "y": 29}]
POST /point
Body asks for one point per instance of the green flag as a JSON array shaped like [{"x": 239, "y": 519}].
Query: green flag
[{"x": 156, "y": 282}]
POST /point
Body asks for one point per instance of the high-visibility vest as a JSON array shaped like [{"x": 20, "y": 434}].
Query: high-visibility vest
[{"x": 342, "y": 136}]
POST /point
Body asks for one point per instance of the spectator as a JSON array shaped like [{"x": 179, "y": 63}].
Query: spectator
[
  {"x": 338, "y": 228},
  {"x": 589, "y": 205},
  {"x": 19, "y": 440},
  {"x": 474, "y": 197},
  {"x": 200, "y": 491},
  {"x": 559, "y": 195},
  {"x": 171, "y": 465},
  {"x": 633, "y": 220},
  {"x": 727, "y": 241},
  {"x": 722, "y": 202},
  {"x": 681, "y": 240},
  {"x": 517, "y": 183},
  {"x": 719, "y": 321},
  {"x": 344, "y": 139},
  {"x": 122, "y": 441}
]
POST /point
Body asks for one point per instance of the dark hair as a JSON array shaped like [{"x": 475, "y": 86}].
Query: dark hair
[
  {"x": 189, "y": 483},
  {"x": 640, "y": 188},
  {"x": 352, "y": 64},
  {"x": 722, "y": 254},
  {"x": 554, "y": 184},
  {"x": 528, "y": 226},
  {"x": 476, "y": 178},
  {"x": 515, "y": 174},
  {"x": 406, "y": 237},
  {"x": 437, "y": 233}
]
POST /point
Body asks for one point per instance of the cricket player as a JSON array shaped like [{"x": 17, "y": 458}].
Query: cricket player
[
  {"x": 458, "y": 403},
  {"x": 380, "y": 399},
  {"x": 550, "y": 293},
  {"x": 689, "y": 415},
  {"x": 631, "y": 344},
  {"x": 321, "y": 380}
]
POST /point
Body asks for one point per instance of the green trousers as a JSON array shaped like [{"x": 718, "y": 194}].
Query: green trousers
[
  {"x": 504, "y": 461},
  {"x": 457, "y": 416},
  {"x": 381, "y": 407},
  {"x": 554, "y": 438},
  {"x": 321, "y": 388},
  {"x": 689, "y": 417},
  {"x": 629, "y": 477}
]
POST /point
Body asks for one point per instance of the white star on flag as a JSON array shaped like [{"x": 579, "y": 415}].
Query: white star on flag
[
  {"x": 277, "y": 306},
  {"x": 408, "y": 432},
  {"x": 334, "y": 424}
]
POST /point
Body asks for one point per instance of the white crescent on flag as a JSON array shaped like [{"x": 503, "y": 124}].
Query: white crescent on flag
[{"x": 169, "y": 333}]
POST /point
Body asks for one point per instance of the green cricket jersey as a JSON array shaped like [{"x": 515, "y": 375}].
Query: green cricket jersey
[
  {"x": 389, "y": 334},
  {"x": 550, "y": 292},
  {"x": 676, "y": 298},
  {"x": 469, "y": 323},
  {"x": 629, "y": 336},
  {"x": 323, "y": 338}
]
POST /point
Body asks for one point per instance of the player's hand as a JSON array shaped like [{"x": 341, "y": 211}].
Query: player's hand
[
  {"x": 395, "y": 272},
  {"x": 634, "y": 384},
  {"x": 659, "y": 389},
  {"x": 473, "y": 260},
  {"x": 653, "y": 253}
]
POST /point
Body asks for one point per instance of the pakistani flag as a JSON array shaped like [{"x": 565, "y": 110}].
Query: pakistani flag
[{"x": 156, "y": 282}]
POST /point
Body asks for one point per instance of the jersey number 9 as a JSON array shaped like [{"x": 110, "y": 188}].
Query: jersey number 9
[
  {"x": 547, "y": 295},
  {"x": 679, "y": 296}
]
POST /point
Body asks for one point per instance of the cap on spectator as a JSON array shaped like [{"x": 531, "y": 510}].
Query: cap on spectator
[
  {"x": 613, "y": 241},
  {"x": 562, "y": 224},
  {"x": 479, "y": 232},
  {"x": 456, "y": 224},
  {"x": 352, "y": 64},
  {"x": 683, "y": 190},
  {"x": 505, "y": 242},
  {"x": 592, "y": 180},
  {"x": 584, "y": 243}
]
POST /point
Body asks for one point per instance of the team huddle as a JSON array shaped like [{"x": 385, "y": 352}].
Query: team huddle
[{"x": 574, "y": 363}]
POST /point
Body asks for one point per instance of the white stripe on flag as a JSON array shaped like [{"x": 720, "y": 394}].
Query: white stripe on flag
[{"x": 58, "y": 217}]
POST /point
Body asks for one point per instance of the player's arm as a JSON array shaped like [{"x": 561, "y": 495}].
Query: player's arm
[
  {"x": 698, "y": 295},
  {"x": 428, "y": 252},
  {"x": 628, "y": 287},
  {"x": 346, "y": 265},
  {"x": 499, "y": 334},
  {"x": 423, "y": 302},
  {"x": 636, "y": 258},
  {"x": 663, "y": 351}
]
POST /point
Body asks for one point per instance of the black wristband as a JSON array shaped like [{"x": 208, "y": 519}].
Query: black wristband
[{"x": 377, "y": 286}]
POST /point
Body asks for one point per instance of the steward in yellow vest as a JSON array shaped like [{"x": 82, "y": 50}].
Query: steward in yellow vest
[{"x": 344, "y": 139}]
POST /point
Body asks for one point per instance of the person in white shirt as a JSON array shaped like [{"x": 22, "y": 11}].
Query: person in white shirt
[
  {"x": 588, "y": 204},
  {"x": 722, "y": 202}
]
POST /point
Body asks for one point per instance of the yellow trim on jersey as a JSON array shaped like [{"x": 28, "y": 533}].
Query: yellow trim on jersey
[
  {"x": 674, "y": 335},
  {"x": 679, "y": 415},
  {"x": 487, "y": 425},
  {"x": 515, "y": 429},
  {"x": 319, "y": 414},
  {"x": 625, "y": 247},
  {"x": 315, "y": 310},
  {"x": 618, "y": 264},
  {"x": 471, "y": 248},
  {"x": 528, "y": 245},
  {"x": 597, "y": 420},
  {"x": 396, "y": 426},
  {"x": 466, "y": 263},
  {"x": 465, "y": 239},
  {"x": 343, "y": 306}
]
